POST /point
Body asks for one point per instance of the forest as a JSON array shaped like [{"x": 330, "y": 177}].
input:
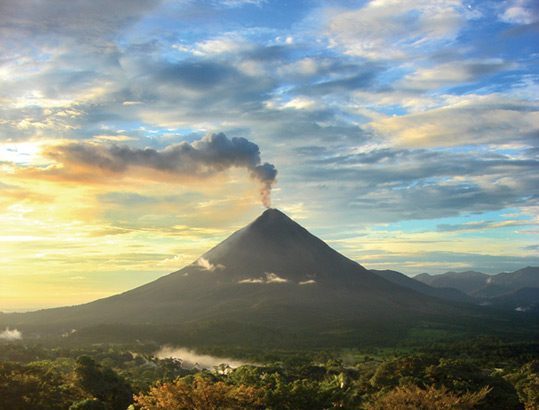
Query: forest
[{"x": 479, "y": 373}]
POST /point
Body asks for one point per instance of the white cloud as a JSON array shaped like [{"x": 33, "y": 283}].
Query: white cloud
[
  {"x": 307, "y": 282},
  {"x": 225, "y": 44},
  {"x": 304, "y": 67},
  {"x": 518, "y": 12},
  {"x": 207, "y": 265},
  {"x": 454, "y": 73},
  {"x": 274, "y": 278},
  {"x": 389, "y": 29},
  {"x": 220, "y": 46},
  {"x": 463, "y": 120},
  {"x": 269, "y": 277},
  {"x": 298, "y": 103},
  {"x": 11, "y": 334},
  {"x": 252, "y": 280}
]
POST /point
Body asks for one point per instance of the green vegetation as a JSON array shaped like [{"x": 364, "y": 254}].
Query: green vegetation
[{"x": 477, "y": 374}]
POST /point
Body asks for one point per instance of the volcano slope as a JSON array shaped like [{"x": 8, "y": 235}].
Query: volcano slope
[{"x": 272, "y": 283}]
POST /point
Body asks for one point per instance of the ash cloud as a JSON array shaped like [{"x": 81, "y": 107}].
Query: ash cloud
[{"x": 211, "y": 155}]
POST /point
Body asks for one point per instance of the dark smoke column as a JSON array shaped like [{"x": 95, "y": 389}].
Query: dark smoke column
[
  {"x": 208, "y": 156},
  {"x": 266, "y": 174}
]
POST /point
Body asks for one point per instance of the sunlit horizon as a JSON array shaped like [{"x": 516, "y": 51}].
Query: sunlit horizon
[{"x": 135, "y": 136}]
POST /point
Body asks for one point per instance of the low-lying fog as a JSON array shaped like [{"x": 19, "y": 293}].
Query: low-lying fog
[{"x": 191, "y": 359}]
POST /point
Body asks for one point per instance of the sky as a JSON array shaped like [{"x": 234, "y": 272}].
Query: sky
[{"x": 137, "y": 134}]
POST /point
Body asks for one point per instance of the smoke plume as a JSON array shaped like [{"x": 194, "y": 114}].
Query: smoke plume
[{"x": 212, "y": 154}]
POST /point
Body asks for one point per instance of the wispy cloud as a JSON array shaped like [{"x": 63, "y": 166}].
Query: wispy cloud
[
  {"x": 205, "y": 264},
  {"x": 307, "y": 282},
  {"x": 465, "y": 120},
  {"x": 519, "y": 12},
  {"x": 269, "y": 277},
  {"x": 395, "y": 30}
]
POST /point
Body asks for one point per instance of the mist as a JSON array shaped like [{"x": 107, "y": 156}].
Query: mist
[
  {"x": 191, "y": 359},
  {"x": 11, "y": 334}
]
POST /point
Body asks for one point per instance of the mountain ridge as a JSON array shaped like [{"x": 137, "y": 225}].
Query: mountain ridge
[{"x": 482, "y": 285}]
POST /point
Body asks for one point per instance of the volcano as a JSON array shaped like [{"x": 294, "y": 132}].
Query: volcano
[{"x": 271, "y": 278}]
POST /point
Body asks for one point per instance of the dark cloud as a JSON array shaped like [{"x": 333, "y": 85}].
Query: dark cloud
[
  {"x": 88, "y": 20},
  {"x": 387, "y": 185},
  {"x": 192, "y": 90},
  {"x": 203, "y": 158},
  {"x": 401, "y": 165},
  {"x": 268, "y": 53},
  {"x": 338, "y": 77},
  {"x": 196, "y": 75}
]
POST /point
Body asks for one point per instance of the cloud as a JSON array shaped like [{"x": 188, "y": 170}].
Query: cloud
[
  {"x": 211, "y": 155},
  {"x": 392, "y": 29},
  {"x": 10, "y": 334},
  {"x": 228, "y": 44},
  {"x": 307, "y": 282},
  {"x": 205, "y": 264},
  {"x": 269, "y": 277},
  {"x": 519, "y": 12},
  {"x": 12, "y": 194},
  {"x": 452, "y": 74},
  {"x": 363, "y": 77},
  {"x": 480, "y": 225},
  {"x": 396, "y": 184},
  {"x": 252, "y": 280},
  {"x": 465, "y": 120},
  {"x": 194, "y": 84},
  {"x": 274, "y": 278},
  {"x": 83, "y": 20}
]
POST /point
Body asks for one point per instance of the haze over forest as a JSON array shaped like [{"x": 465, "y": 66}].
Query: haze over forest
[{"x": 136, "y": 135}]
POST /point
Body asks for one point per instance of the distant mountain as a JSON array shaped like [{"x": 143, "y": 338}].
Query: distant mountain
[
  {"x": 271, "y": 282},
  {"x": 486, "y": 287},
  {"x": 410, "y": 283},
  {"x": 467, "y": 282},
  {"x": 522, "y": 278},
  {"x": 522, "y": 300}
]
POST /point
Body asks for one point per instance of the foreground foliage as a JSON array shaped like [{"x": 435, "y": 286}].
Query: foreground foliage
[
  {"x": 200, "y": 393},
  {"x": 432, "y": 398},
  {"x": 117, "y": 377}
]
